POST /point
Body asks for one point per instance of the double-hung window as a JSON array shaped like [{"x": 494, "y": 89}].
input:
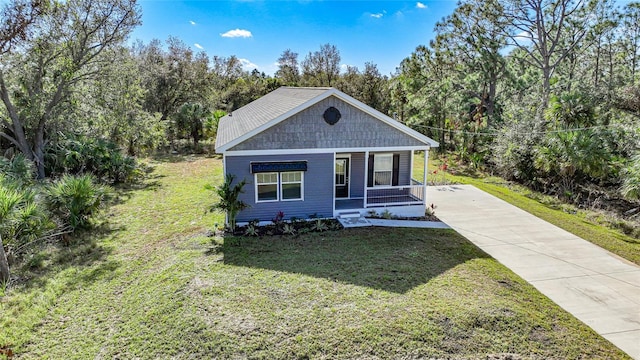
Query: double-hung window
[
  {"x": 279, "y": 186},
  {"x": 291, "y": 185},
  {"x": 382, "y": 169},
  {"x": 267, "y": 186}
]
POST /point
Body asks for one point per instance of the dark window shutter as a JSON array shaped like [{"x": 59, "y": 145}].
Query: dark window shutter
[
  {"x": 370, "y": 171},
  {"x": 396, "y": 170}
]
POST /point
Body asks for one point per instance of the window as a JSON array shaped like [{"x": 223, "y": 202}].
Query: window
[
  {"x": 382, "y": 169},
  {"x": 341, "y": 172},
  {"x": 282, "y": 186},
  {"x": 267, "y": 186}
]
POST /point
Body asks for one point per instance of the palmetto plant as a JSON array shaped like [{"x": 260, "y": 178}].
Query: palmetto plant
[
  {"x": 74, "y": 199},
  {"x": 229, "y": 199},
  {"x": 22, "y": 220},
  {"x": 631, "y": 179}
]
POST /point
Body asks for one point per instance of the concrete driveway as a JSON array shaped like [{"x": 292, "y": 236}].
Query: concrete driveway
[{"x": 596, "y": 286}]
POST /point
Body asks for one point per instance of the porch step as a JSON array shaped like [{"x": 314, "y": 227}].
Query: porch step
[
  {"x": 352, "y": 219},
  {"x": 349, "y": 214}
]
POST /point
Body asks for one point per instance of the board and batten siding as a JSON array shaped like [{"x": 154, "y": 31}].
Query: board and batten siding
[
  {"x": 308, "y": 130},
  {"x": 318, "y": 187}
]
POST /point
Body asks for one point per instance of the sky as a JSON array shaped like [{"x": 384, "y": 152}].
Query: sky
[{"x": 257, "y": 32}]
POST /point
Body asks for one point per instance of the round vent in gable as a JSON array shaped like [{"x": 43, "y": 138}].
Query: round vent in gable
[{"x": 331, "y": 115}]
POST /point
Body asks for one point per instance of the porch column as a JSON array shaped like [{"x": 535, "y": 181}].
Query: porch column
[
  {"x": 366, "y": 174},
  {"x": 413, "y": 152},
  {"x": 424, "y": 177}
]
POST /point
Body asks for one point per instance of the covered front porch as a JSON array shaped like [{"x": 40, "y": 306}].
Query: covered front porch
[{"x": 379, "y": 181}]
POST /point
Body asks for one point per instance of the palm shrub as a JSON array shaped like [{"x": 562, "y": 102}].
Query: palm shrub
[
  {"x": 229, "y": 201},
  {"x": 18, "y": 170},
  {"x": 631, "y": 179},
  {"x": 100, "y": 157},
  {"x": 75, "y": 199},
  {"x": 23, "y": 219},
  {"x": 211, "y": 122}
]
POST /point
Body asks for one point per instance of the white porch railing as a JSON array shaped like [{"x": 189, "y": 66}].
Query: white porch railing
[{"x": 379, "y": 196}]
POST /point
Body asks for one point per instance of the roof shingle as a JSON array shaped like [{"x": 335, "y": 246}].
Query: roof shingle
[{"x": 263, "y": 110}]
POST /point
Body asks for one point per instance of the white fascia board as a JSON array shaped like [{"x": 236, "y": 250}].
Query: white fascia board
[
  {"x": 323, "y": 151},
  {"x": 273, "y": 122}
]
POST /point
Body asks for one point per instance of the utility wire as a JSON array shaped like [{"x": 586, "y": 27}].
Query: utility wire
[{"x": 496, "y": 133}]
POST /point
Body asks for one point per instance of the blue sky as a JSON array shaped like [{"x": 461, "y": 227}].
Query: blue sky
[{"x": 383, "y": 32}]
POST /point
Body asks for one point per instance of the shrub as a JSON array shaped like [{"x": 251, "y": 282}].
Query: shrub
[
  {"x": 18, "y": 169},
  {"x": 229, "y": 199},
  {"x": 102, "y": 158},
  {"x": 75, "y": 199},
  {"x": 631, "y": 179},
  {"x": 23, "y": 218}
]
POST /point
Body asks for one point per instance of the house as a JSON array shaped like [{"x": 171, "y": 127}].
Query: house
[{"x": 319, "y": 152}]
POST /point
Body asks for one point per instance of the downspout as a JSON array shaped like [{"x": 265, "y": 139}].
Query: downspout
[{"x": 224, "y": 177}]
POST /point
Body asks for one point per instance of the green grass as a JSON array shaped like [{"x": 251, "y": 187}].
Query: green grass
[
  {"x": 151, "y": 284},
  {"x": 566, "y": 217}
]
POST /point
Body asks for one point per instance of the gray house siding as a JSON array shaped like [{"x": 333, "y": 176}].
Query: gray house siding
[
  {"x": 318, "y": 187},
  {"x": 308, "y": 130}
]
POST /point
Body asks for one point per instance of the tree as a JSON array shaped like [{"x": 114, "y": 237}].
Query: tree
[
  {"x": 288, "y": 71},
  {"x": 114, "y": 104},
  {"x": 473, "y": 37},
  {"x": 542, "y": 29},
  {"x": 67, "y": 49},
  {"x": 17, "y": 18},
  {"x": 368, "y": 86},
  {"x": 172, "y": 77},
  {"x": 631, "y": 23},
  {"x": 189, "y": 119},
  {"x": 322, "y": 67},
  {"x": 426, "y": 75}
]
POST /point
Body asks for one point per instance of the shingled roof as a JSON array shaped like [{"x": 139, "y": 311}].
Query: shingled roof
[
  {"x": 280, "y": 104},
  {"x": 263, "y": 110}
]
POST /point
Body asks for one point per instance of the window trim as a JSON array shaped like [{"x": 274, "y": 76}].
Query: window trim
[
  {"x": 390, "y": 171},
  {"x": 279, "y": 190},
  {"x": 301, "y": 182},
  {"x": 277, "y": 184}
]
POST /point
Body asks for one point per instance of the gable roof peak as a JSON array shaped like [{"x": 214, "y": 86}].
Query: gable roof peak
[{"x": 284, "y": 102}]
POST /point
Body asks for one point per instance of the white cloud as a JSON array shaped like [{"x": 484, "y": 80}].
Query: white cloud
[
  {"x": 198, "y": 46},
  {"x": 237, "y": 33},
  {"x": 192, "y": 22},
  {"x": 377, "y": 16},
  {"x": 248, "y": 65},
  {"x": 344, "y": 67},
  {"x": 420, "y": 5}
]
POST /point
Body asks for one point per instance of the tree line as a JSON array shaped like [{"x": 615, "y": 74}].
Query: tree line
[
  {"x": 544, "y": 92},
  {"x": 541, "y": 91}
]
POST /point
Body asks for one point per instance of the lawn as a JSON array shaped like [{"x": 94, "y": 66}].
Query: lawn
[
  {"x": 151, "y": 283},
  {"x": 578, "y": 222}
]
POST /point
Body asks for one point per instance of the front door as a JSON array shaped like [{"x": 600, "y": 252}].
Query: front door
[{"x": 342, "y": 177}]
